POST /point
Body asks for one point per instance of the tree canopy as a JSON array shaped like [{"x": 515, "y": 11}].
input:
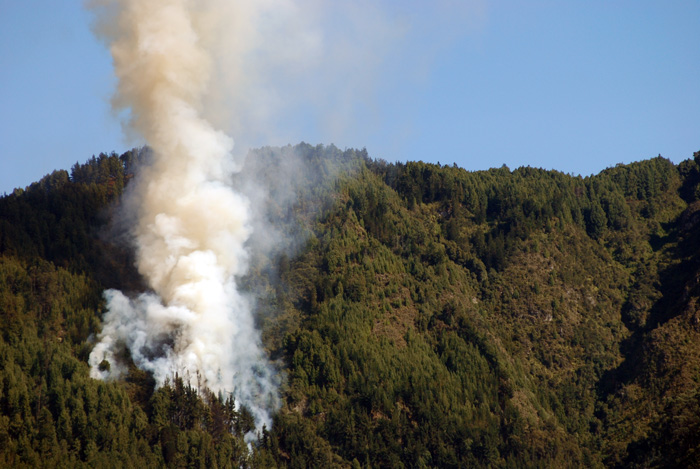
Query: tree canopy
[{"x": 423, "y": 315}]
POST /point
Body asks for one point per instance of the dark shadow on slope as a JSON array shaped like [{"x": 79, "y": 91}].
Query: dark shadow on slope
[{"x": 678, "y": 282}]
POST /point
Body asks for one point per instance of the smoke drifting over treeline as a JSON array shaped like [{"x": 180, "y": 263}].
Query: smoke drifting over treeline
[
  {"x": 190, "y": 75},
  {"x": 191, "y": 226},
  {"x": 282, "y": 71}
]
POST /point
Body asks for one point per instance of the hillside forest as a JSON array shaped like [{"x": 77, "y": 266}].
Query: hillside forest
[{"x": 421, "y": 315}]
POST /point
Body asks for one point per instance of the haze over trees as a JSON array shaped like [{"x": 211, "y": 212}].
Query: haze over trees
[{"x": 423, "y": 315}]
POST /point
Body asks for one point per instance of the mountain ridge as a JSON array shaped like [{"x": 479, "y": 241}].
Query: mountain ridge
[{"x": 424, "y": 315}]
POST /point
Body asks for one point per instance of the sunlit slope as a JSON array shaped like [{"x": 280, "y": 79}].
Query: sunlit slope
[{"x": 423, "y": 316}]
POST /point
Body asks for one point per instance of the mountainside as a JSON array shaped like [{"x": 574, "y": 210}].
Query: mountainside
[{"x": 422, "y": 315}]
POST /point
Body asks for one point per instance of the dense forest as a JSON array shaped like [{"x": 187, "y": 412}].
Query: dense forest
[{"x": 422, "y": 316}]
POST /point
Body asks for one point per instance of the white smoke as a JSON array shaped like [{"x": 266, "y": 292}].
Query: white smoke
[
  {"x": 192, "y": 227},
  {"x": 186, "y": 69}
]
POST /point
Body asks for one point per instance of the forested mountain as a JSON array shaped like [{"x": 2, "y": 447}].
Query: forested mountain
[{"x": 422, "y": 315}]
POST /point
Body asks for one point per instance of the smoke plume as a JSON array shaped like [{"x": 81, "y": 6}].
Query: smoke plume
[
  {"x": 185, "y": 70},
  {"x": 191, "y": 228}
]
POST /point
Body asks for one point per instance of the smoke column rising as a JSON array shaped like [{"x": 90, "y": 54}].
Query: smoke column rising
[{"x": 191, "y": 226}]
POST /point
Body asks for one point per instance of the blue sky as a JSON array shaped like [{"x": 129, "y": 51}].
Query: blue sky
[{"x": 569, "y": 85}]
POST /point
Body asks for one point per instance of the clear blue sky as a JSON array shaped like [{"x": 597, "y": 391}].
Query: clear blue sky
[{"x": 576, "y": 86}]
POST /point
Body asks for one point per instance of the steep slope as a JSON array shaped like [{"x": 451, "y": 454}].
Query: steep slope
[
  {"x": 424, "y": 316},
  {"x": 495, "y": 309},
  {"x": 650, "y": 405},
  {"x": 54, "y": 266}
]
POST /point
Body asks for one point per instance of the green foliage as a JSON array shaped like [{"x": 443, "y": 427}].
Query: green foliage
[
  {"x": 429, "y": 317},
  {"x": 452, "y": 319}
]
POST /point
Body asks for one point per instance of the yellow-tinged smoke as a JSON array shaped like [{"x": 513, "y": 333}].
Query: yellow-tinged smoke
[{"x": 191, "y": 226}]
